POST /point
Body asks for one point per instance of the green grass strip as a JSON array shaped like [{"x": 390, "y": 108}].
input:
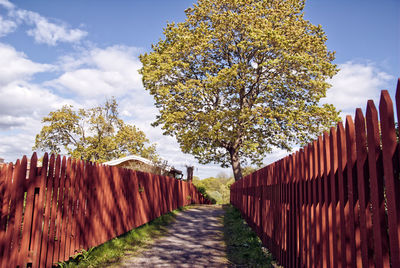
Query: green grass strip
[
  {"x": 244, "y": 248},
  {"x": 113, "y": 250}
]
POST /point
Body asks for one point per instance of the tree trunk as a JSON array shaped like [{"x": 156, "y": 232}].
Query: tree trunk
[
  {"x": 235, "y": 161},
  {"x": 189, "y": 170}
]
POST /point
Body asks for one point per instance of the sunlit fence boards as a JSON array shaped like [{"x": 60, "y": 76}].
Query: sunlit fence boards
[
  {"x": 335, "y": 202},
  {"x": 50, "y": 213}
]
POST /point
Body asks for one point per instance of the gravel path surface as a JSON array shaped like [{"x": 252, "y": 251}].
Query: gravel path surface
[{"x": 195, "y": 239}]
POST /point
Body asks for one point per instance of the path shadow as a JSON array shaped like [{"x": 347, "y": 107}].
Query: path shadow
[{"x": 195, "y": 239}]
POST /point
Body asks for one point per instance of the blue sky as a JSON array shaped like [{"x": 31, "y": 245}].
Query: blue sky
[{"x": 80, "y": 52}]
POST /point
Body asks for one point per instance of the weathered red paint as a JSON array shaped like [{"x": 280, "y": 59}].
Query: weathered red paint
[{"x": 324, "y": 206}]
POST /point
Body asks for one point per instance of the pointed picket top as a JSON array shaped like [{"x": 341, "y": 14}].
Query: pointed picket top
[
  {"x": 334, "y": 151},
  {"x": 315, "y": 158},
  {"x": 296, "y": 171},
  {"x": 33, "y": 166},
  {"x": 51, "y": 166},
  {"x": 34, "y": 156},
  {"x": 63, "y": 165},
  {"x": 306, "y": 163},
  {"x": 327, "y": 161},
  {"x": 350, "y": 129},
  {"x": 69, "y": 162},
  {"x": 372, "y": 117},
  {"x": 58, "y": 165},
  {"x": 387, "y": 121},
  {"x": 359, "y": 121},
  {"x": 19, "y": 166},
  {"x": 301, "y": 164},
  {"x": 320, "y": 145},
  {"x": 341, "y": 145},
  {"x": 45, "y": 162},
  {"x": 24, "y": 163}
]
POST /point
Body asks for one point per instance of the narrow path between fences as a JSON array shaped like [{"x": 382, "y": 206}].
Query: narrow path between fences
[{"x": 195, "y": 239}]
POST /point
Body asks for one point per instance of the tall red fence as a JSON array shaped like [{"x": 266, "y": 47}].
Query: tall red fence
[
  {"x": 334, "y": 203},
  {"x": 51, "y": 212}
]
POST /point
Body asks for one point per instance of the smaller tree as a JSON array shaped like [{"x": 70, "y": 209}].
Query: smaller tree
[{"x": 95, "y": 134}]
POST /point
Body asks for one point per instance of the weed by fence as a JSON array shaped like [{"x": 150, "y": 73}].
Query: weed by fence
[
  {"x": 51, "y": 212},
  {"x": 334, "y": 203}
]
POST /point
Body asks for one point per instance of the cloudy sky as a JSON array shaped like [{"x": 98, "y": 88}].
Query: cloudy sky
[{"x": 80, "y": 52}]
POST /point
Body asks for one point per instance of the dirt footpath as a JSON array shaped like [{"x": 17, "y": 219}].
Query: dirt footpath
[{"x": 195, "y": 239}]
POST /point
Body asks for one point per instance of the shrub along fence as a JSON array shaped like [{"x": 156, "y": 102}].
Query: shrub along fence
[
  {"x": 51, "y": 212},
  {"x": 334, "y": 203}
]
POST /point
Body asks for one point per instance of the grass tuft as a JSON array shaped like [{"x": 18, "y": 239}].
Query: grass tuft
[
  {"x": 113, "y": 250},
  {"x": 244, "y": 248}
]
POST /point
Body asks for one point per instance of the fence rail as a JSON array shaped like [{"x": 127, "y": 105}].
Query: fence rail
[
  {"x": 334, "y": 203},
  {"x": 51, "y": 212}
]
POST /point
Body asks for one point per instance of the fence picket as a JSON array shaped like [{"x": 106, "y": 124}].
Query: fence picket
[
  {"x": 381, "y": 243},
  {"x": 302, "y": 241},
  {"x": 313, "y": 195},
  {"x": 319, "y": 206},
  {"x": 5, "y": 182},
  {"x": 335, "y": 214},
  {"x": 391, "y": 174},
  {"x": 18, "y": 201},
  {"x": 25, "y": 253},
  {"x": 327, "y": 200},
  {"x": 40, "y": 182},
  {"x": 60, "y": 218},
  {"x": 343, "y": 202},
  {"x": 44, "y": 214},
  {"x": 353, "y": 220},
  {"x": 53, "y": 212}
]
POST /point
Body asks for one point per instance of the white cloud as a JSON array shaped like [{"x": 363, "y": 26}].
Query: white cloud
[
  {"x": 112, "y": 71},
  {"x": 22, "y": 102},
  {"x": 6, "y": 26},
  {"x": 22, "y": 98},
  {"x": 17, "y": 145},
  {"x": 7, "y": 4},
  {"x": 47, "y": 32},
  {"x": 88, "y": 77},
  {"x": 43, "y": 31},
  {"x": 9, "y": 121},
  {"x": 15, "y": 65},
  {"x": 22, "y": 106},
  {"x": 354, "y": 85}
]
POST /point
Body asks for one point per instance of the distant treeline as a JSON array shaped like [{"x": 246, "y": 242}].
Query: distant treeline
[{"x": 218, "y": 189}]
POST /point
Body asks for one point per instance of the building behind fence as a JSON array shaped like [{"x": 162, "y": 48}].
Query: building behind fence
[
  {"x": 334, "y": 203},
  {"x": 50, "y": 213}
]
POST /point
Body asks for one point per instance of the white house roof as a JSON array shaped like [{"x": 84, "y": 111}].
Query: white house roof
[
  {"x": 133, "y": 157},
  {"x": 127, "y": 158}
]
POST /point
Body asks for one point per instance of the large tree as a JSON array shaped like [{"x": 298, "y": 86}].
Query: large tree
[
  {"x": 95, "y": 134},
  {"x": 240, "y": 77}
]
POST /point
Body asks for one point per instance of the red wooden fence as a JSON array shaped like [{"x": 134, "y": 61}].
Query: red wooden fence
[
  {"x": 51, "y": 212},
  {"x": 334, "y": 203}
]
